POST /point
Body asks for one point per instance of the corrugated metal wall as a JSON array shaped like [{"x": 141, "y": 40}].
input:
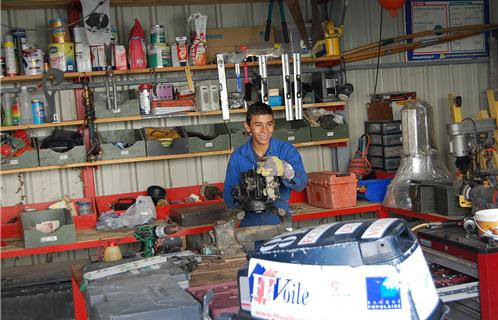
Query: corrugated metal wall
[{"x": 432, "y": 84}]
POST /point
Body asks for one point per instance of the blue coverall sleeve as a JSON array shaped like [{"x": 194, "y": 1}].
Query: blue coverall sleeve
[
  {"x": 231, "y": 179},
  {"x": 300, "y": 179}
]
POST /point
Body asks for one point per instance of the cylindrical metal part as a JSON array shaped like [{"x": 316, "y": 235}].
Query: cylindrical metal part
[{"x": 417, "y": 128}]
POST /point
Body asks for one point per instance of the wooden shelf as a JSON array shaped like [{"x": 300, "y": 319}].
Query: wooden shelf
[
  {"x": 155, "y": 158},
  {"x": 138, "y": 118},
  {"x": 73, "y": 75},
  {"x": 45, "y": 4}
]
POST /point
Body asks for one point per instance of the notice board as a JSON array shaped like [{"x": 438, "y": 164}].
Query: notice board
[{"x": 434, "y": 14}]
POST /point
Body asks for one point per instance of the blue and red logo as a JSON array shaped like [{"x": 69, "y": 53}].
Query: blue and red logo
[{"x": 265, "y": 286}]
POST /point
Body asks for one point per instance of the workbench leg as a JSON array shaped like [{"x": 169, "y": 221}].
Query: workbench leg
[
  {"x": 78, "y": 301},
  {"x": 488, "y": 288}
]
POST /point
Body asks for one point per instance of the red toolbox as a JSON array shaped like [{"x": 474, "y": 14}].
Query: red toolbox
[{"x": 331, "y": 190}]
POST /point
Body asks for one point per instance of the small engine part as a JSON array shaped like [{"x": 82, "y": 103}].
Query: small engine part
[{"x": 256, "y": 193}]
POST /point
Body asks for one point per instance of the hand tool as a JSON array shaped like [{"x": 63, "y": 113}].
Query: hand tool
[
  {"x": 223, "y": 87},
  {"x": 285, "y": 31}
]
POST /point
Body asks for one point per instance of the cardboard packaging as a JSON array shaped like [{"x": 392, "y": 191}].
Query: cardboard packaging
[{"x": 230, "y": 39}]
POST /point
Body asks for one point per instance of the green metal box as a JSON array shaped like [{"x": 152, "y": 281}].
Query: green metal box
[
  {"x": 156, "y": 147},
  {"x": 296, "y": 131},
  {"x": 132, "y": 139},
  {"x": 207, "y": 137},
  {"x": 34, "y": 238},
  {"x": 128, "y": 104},
  {"x": 49, "y": 157},
  {"x": 238, "y": 134},
  {"x": 28, "y": 159},
  {"x": 319, "y": 134}
]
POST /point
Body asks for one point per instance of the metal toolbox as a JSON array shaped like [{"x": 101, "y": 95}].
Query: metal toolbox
[
  {"x": 49, "y": 157},
  {"x": 383, "y": 127},
  {"x": 319, "y": 134},
  {"x": 118, "y": 144},
  {"x": 28, "y": 159},
  {"x": 128, "y": 105},
  {"x": 386, "y": 152},
  {"x": 386, "y": 139},
  {"x": 384, "y": 163},
  {"x": 201, "y": 214},
  {"x": 163, "y": 146},
  {"x": 296, "y": 131},
  {"x": 207, "y": 137},
  {"x": 33, "y": 238},
  {"x": 238, "y": 134}
]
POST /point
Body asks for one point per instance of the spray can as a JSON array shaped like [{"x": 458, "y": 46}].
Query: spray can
[
  {"x": 38, "y": 109},
  {"x": 10, "y": 56},
  {"x": 19, "y": 36},
  {"x": 144, "y": 98}
]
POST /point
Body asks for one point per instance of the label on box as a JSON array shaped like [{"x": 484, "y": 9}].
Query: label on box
[
  {"x": 209, "y": 145},
  {"x": 63, "y": 157},
  {"x": 124, "y": 152},
  {"x": 15, "y": 161},
  {"x": 330, "y": 133},
  {"x": 291, "y": 138},
  {"x": 48, "y": 239}
]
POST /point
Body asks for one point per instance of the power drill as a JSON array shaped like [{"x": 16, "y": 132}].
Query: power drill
[{"x": 149, "y": 234}]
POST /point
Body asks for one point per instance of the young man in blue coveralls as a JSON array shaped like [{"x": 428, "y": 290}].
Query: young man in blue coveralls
[{"x": 280, "y": 159}]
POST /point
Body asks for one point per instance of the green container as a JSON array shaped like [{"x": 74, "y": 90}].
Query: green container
[
  {"x": 296, "y": 131},
  {"x": 34, "y": 238},
  {"x": 319, "y": 134},
  {"x": 48, "y": 157},
  {"x": 238, "y": 134},
  {"x": 132, "y": 137},
  {"x": 28, "y": 159},
  {"x": 207, "y": 137},
  {"x": 128, "y": 104},
  {"x": 178, "y": 146}
]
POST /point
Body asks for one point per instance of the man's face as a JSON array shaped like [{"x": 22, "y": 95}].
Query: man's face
[{"x": 260, "y": 128}]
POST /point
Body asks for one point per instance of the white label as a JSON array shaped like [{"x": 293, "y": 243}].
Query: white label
[
  {"x": 14, "y": 161},
  {"x": 314, "y": 234},
  {"x": 48, "y": 239},
  {"x": 63, "y": 157},
  {"x": 291, "y": 138},
  {"x": 376, "y": 230},
  {"x": 330, "y": 133},
  {"x": 209, "y": 145},
  {"x": 348, "y": 228},
  {"x": 124, "y": 152}
]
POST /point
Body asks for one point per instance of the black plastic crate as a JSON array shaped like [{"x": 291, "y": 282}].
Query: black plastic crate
[
  {"x": 385, "y": 152},
  {"x": 384, "y": 163},
  {"x": 383, "y": 127},
  {"x": 386, "y": 140}
]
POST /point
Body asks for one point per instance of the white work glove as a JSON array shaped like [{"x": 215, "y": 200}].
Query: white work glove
[{"x": 274, "y": 167}]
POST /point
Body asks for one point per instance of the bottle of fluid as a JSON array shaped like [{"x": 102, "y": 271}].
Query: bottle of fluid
[
  {"x": 25, "y": 104},
  {"x": 6, "y": 110},
  {"x": 16, "y": 113}
]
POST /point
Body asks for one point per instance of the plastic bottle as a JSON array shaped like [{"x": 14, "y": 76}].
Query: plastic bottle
[
  {"x": 16, "y": 113},
  {"x": 25, "y": 104},
  {"x": 7, "y": 110}
]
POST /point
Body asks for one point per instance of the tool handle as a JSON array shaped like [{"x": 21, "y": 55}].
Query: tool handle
[
  {"x": 285, "y": 32},
  {"x": 268, "y": 29}
]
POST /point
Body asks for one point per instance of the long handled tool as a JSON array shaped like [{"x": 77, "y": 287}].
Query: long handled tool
[{"x": 390, "y": 49}]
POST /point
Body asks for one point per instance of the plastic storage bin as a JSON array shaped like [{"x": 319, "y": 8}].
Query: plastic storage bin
[
  {"x": 386, "y": 140},
  {"x": 372, "y": 190},
  {"x": 383, "y": 127},
  {"x": 331, "y": 190}
]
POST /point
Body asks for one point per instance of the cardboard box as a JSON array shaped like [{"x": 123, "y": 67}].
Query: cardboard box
[
  {"x": 230, "y": 39},
  {"x": 34, "y": 238}
]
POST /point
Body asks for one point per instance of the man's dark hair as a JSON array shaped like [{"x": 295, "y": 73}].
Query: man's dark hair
[{"x": 256, "y": 109}]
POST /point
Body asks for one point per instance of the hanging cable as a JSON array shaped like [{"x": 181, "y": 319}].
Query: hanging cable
[
  {"x": 360, "y": 165},
  {"x": 378, "y": 53}
]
